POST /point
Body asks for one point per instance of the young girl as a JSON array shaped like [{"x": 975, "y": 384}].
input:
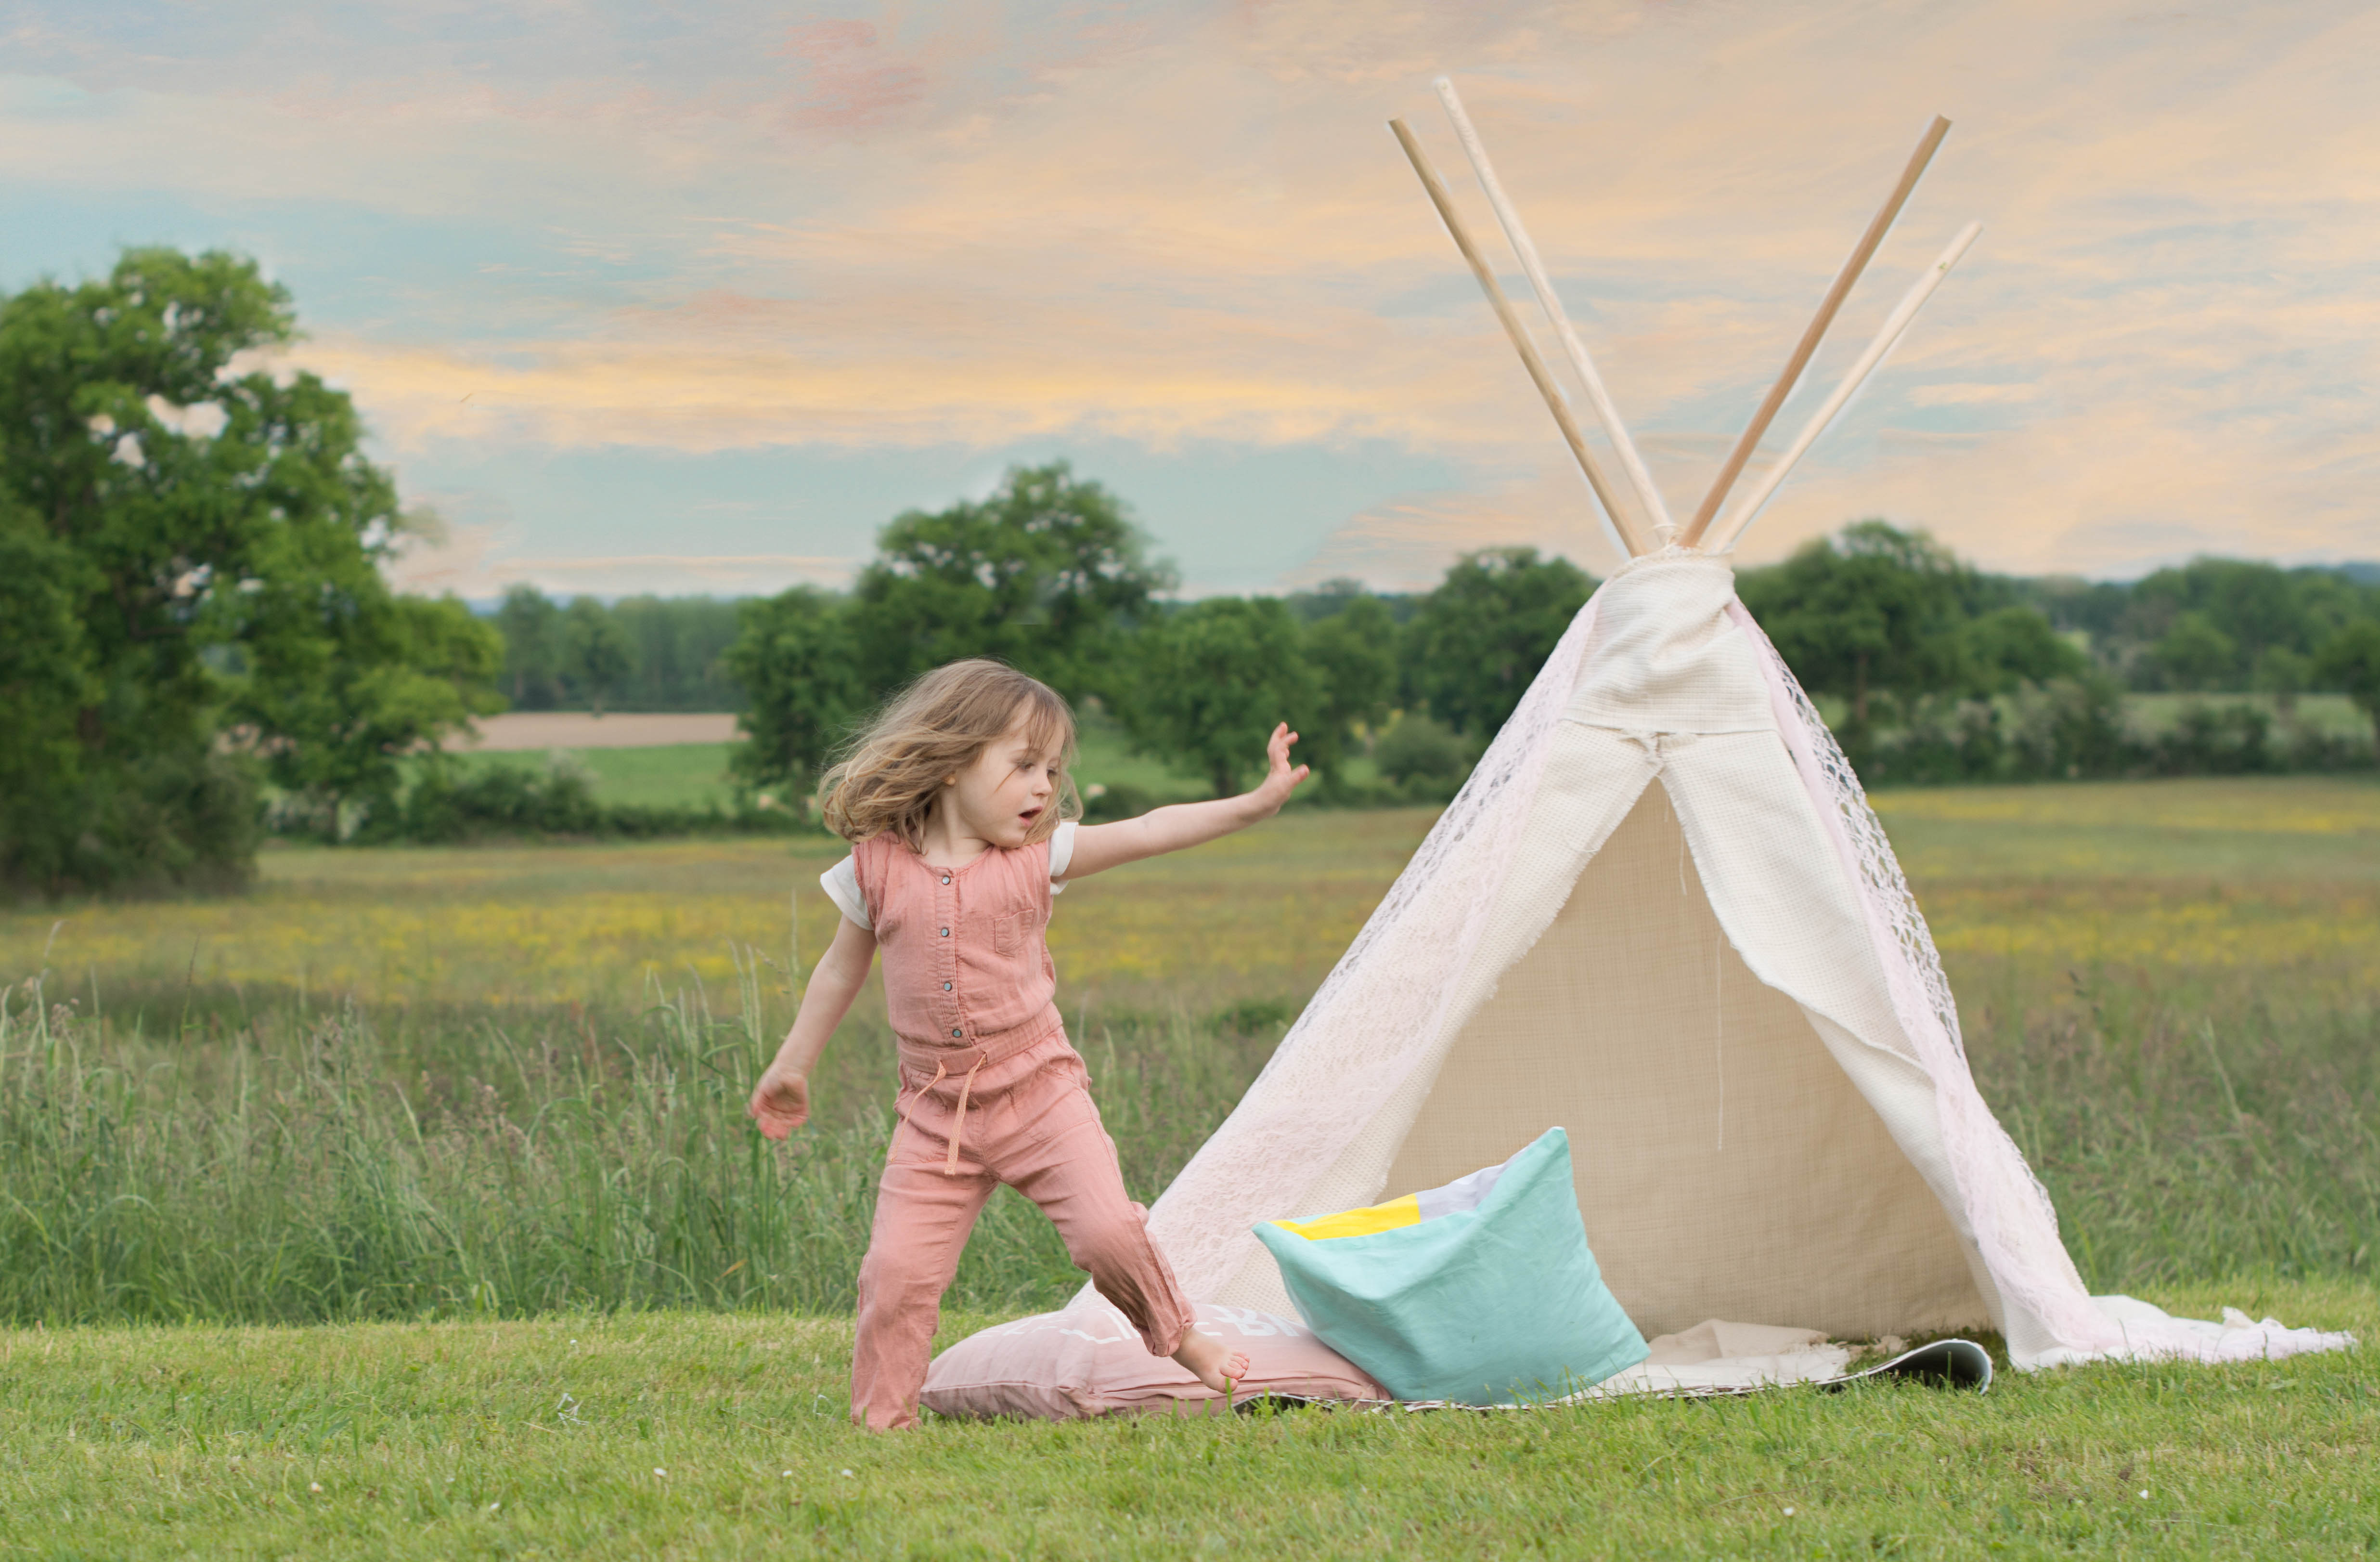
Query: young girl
[{"x": 955, "y": 802}]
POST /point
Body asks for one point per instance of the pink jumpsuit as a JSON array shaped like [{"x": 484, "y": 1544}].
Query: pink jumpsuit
[{"x": 990, "y": 1093}]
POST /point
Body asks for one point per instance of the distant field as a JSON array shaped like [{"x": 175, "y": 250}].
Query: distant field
[
  {"x": 690, "y": 775},
  {"x": 2251, "y": 829},
  {"x": 2271, "y": 869},
  {"x": 583, "y": 729},
  {"x": 592, "y": 923},
  {"x": 667, "y": 775},
  {"x": 2331, "y": 715}
]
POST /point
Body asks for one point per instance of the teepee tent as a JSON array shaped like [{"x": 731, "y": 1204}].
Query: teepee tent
[{"x": 1661, "y": 915}]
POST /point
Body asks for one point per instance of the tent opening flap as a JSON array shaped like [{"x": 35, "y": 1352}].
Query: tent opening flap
[{"x": 1726, "y": 1166}]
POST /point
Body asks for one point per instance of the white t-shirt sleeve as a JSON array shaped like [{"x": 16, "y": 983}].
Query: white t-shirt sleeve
[
  {"x": 842, "y": 885},
  {"x": 1062, "y": 854}
]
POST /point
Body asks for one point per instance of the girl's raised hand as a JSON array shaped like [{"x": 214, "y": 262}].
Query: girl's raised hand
[{"x": 1280, "y": 778}]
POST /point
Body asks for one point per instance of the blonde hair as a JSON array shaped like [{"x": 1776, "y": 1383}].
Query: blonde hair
[{"x": 893, "y": 768}]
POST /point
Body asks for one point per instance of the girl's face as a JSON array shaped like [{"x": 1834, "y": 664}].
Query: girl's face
[{"x": 1003, "y": 795}]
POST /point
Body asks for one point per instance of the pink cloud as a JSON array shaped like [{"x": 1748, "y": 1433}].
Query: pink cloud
[{"x": 847, "y": 85}]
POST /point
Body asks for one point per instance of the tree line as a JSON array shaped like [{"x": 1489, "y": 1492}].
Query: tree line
[
  {"x": 1049, "y": 574},
  {"x": 2214, "y": 625},
  {"x": 639, "y": 653},
  {"x": 1939, "y": 671},
  {"x": 197, "y": 641},
  {"x": 1944, "y": 672}
]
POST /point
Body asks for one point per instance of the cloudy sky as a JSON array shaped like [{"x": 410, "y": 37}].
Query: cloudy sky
[{"x": 694, "y": 295}]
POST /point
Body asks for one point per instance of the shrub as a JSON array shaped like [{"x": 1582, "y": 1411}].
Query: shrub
[
  {"x": 2233, "y": 738},
  {"x": 2073, "y": 729},
  {"x": 1116, "y": 800},
  {"x": 501, "y": 803},
  {"x": 1422, "y": 756}
]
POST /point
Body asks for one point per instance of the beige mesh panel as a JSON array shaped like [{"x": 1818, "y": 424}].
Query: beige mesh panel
[{"x": 1727, "y": 1168}]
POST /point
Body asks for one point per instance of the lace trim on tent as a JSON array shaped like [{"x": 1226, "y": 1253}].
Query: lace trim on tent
[
  {"x": 1881, "y": 879},
  {"x": 2014, "y": 1223},
  {"x": 1376, "y": 1012}
]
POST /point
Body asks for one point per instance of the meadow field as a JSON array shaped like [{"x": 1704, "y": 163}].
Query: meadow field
[{"x": 406, "y": 1206}]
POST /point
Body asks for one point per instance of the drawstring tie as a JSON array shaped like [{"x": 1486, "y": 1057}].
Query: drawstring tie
[
  {"x": 959, "y": 1119},
  {"x": 998, "y": 1047}
]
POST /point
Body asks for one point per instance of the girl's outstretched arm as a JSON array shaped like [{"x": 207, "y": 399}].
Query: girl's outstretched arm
[
  {"x": 1161, "y": 830},
  {"x": 781, "y": 1102}
]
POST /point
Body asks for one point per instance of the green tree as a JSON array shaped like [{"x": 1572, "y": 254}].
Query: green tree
[
  {"x": 597, "y": 655},
  {"x": 679, "y": 646},
  {"x": 795, "y": 658},
  {"x": 2095, "y": 609},
  {"x": 1213, "y": 678},
  {"x": 531, "y": 626},
  {"x": 2283, "y": 674},
  {"x": 1354, "y": 653},
  {"x": 2349, "y": 662},
  {"x": 221, "y": 535},
  {"x": 2194, "y": 653},
  {"x": 1872, "y": 609},
  {"x": 1045, "y": 575},
  {"x": 398, "y": 674},
  {"x": 2013, "y": 646},
  {"x": 2249, "y": 604},
  {"x": 1476, "y": 643},
  {"x": 45, "y": 684}
]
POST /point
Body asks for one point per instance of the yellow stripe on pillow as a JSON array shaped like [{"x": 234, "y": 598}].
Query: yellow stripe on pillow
[{"x": 1357, "y": 1222}]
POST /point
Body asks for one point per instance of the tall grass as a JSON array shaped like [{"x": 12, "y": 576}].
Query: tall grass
[
  {"x": 298, "y": 1168},
  {"x": 2169, "y": 995},
  {"x": 2192, "y": 1127},
  {"x": 304, "y": 1165}
]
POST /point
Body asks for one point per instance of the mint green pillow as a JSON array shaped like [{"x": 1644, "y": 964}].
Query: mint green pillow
[{"x": 1482, "y": 1291}]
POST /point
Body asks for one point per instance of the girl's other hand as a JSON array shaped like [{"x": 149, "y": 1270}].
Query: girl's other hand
[
  {"x": 1099, "y": 848},
  {"x": 1281, "y": 777},
  {"x": 781, "y": 1102}
]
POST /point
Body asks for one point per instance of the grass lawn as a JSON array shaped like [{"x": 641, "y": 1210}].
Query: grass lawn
[
  {"x": 692, "y": 1435},
  {"x": 467, "y": 1122}
]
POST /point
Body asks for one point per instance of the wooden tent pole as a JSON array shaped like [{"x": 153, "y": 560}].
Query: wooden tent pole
[
  {"x": 1723, "y": 536},
  {"x": 1809, "y": 342},
  {"x": 1640, "y": 477},
  {"x": 1624, "y": 523}
]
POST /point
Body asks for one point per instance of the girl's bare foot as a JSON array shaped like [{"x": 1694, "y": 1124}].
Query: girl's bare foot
[{"x": 1212, "y": 1361}]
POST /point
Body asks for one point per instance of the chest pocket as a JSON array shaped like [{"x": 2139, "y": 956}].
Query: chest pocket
[{"x": 1011, "y": 930}]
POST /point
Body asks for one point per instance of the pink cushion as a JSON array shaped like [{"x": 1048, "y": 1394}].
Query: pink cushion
[{"x": 1087, "y": 1360}]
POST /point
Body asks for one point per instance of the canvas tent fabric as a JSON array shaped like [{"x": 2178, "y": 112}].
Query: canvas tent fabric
[{"x": 1661, "y": 915}]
